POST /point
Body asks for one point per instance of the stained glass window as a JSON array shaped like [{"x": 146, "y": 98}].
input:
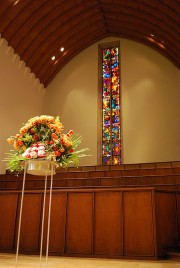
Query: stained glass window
[{"x": 110, "y": 99}]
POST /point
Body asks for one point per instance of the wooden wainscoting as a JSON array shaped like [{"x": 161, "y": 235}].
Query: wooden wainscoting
[
  {"x": 8, "y": 218},
  {"x": 107, "y": 222},
  {"x": 167, "y": 222}
]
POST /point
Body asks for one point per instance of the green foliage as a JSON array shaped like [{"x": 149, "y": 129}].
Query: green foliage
[{"x": 14, "y": 162}]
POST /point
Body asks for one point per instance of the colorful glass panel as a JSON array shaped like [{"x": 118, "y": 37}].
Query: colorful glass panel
[{"x": 111, "y": 143}]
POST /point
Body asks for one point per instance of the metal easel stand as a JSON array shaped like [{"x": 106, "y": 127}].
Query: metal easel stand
[{"x": 45, "y": 172}]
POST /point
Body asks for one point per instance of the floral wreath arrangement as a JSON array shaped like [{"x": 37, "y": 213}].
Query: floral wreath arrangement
[{"x": 42, "y": 138}]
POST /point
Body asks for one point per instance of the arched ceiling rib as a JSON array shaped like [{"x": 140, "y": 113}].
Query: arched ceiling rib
[{"x": 37, "y": 29}]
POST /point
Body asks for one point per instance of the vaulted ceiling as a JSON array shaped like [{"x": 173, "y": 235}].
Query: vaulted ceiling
[{"x": 38, "y": 29}]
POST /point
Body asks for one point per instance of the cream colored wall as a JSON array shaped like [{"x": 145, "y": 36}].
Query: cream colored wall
[
  {"x": 150, "y": 90},
  {"x": 150, "y": 105},
  {"x": 21, "y": 97}
]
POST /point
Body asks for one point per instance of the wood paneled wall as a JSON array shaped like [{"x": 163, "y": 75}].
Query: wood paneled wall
[{"x": 108, "y": 222}]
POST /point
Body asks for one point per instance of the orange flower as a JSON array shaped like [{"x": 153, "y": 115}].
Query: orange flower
[
  {"x": 19, "y": 143},
  {"x": 54, "y": 136},
  {"x": 57, "y": 153},
  {"x": 71, "y": 132},
  {"x": 32, "y": 131},
  {"x": 35, "y": 137}
]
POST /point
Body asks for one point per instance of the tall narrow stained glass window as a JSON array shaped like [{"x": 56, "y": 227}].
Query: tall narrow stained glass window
[{"x": 110, "y": 101}]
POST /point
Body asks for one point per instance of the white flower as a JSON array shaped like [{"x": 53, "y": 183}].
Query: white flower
[
  {"x": 33, "y": 154},
  {"x": 41, "y": 147},
  {"x": 25, "y": 154},
  {"x": 33, "y": 149},
  {"x": 41, "y": 153}
]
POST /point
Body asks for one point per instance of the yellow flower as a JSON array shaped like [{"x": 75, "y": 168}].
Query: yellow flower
[
  {"x": 10, "y": 140},
  {"x": 16, "y": 145}
]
